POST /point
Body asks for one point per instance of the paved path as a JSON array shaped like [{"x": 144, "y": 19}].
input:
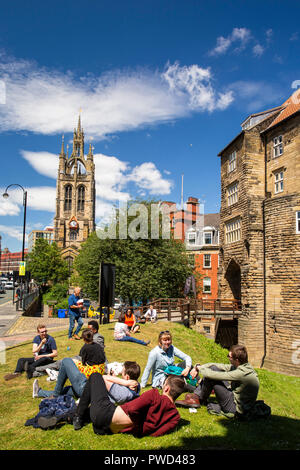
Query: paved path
[{"x": 16, "y": 328}]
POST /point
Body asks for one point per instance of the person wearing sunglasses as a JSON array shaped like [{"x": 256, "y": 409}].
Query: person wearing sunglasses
[
  {"x": 162, "y": 356},
  {"x": 44, "y": 350},
  {"x": 236, "y": 385}
]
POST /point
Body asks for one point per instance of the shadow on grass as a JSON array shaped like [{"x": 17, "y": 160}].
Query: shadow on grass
[{"x": 273, "y": 433}]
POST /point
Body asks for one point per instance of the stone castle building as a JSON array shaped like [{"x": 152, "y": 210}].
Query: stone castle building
[
  {"x": 75, "y": 197},
  {"x": 260, "y": 234}
]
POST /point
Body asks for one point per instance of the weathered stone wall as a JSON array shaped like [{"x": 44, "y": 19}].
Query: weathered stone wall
[
  {"x": 268, "y": 253},
  {"x": 248, "y": 252}
]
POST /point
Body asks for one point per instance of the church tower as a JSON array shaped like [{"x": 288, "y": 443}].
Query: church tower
[{"x": 75, "y": 197}]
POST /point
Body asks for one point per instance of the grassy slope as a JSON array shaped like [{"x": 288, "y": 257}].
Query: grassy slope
[{"x": 197, "y": 431}]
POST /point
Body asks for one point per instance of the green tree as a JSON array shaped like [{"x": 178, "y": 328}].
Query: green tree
[
  {"x": 46, "y": 264},
  {"x": 145, "y": 268}
]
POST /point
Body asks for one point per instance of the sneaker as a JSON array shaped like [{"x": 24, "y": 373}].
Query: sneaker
[
  {"x": 53, "y": 374},
  {"x": 148, "y": 342},
  {"x": 35, "y": 389},
  {"x": 215, "y": 409}
]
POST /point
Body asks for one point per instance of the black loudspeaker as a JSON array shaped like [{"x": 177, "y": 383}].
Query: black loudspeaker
[{"x": 107, "y": 285}]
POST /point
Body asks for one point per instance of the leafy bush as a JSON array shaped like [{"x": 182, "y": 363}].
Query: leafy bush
[{"x": 59, "y": 293}]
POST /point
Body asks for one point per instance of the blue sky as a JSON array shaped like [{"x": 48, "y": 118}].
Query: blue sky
[{"x": 163, "y": 86}]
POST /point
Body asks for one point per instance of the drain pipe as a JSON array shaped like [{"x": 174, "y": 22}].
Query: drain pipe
[{"x": 264, "y": 259}]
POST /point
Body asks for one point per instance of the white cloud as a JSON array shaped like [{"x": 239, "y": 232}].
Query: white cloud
[
  {"x": 255, "y": 96},
  {"x": 44, "y": 163},
  {"x": 12, "y": 231},
  {"x": 149, "y": 178},
  {"x": 194, "y": 82},
  {"x": 238, "y": 37},
  {"x": 47, "y": 101},
  {"x": 258, "y": 50}
]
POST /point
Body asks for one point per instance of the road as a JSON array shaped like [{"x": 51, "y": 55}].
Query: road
[{"x": 8, "y": 312}]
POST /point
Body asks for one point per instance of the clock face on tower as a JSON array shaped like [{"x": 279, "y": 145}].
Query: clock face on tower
[{"x": 73, "y": 224}]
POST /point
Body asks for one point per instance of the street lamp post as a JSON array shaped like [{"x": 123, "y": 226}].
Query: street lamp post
[{"x": 6, "y": 195}]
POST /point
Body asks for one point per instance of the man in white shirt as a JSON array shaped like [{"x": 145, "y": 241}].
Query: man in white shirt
[{"x": 151, "y": 314}]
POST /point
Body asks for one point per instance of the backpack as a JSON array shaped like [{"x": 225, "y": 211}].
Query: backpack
[
  {"x": 175, "y": 370},
  {"x": 260, "y": 410}
]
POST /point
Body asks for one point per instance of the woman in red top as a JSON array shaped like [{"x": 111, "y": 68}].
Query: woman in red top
[{"x": 130, "y": 321}]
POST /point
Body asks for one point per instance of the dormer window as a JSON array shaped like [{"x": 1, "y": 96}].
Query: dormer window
[
  {"x": 207, "y": 238},
  {"x": 277, "y": 146},
  {"x": 192, "y": 238}
]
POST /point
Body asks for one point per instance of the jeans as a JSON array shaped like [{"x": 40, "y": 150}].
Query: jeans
[
  {"x": 224, "y": 396},
  {"x": 72, "y": 319},
  {"x": 68, "y": 370},
  {"x": 133, "y": 340}
]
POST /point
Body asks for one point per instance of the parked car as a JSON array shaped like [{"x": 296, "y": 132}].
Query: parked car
[
  {"x": 9, "y": 285},
  {"x": 117, "y": 304}
]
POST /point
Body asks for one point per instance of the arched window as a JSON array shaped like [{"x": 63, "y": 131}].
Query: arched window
[
  {"x": 68, "y": 198},
  {"x": 73, "y": 234},
  {"x": 80, "y": 198}
]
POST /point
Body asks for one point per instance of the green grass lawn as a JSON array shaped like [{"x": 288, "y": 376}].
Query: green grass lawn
[{"x": 196, "y": 430}]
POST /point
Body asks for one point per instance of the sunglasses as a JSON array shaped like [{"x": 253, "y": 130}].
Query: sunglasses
[{"x": 162, "y": 332}]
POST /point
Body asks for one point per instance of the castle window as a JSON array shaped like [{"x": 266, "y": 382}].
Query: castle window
[
  {"x": 233, "y": 231},
  {"x": 68, "y": 198},
  {"x": 298, "y": 222},
  {"x": 73, "y": 235},
  {"x": 207, "y": 285},
  {"x": 81, "y": 198},
  {"x": 277, "y": 146},
  {"x": 278, "y": 182},
  {"x": 207, "y": 261},
  {"x": 232, "y": 162},
  {"x": 232, "y": 194}
]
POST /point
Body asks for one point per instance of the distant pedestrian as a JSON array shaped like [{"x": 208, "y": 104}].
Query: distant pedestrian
[{"x": 75, "y": 313}]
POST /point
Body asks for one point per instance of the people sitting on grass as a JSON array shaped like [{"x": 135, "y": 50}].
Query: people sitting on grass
[
  {"x": 92, "y": 355},
  {"x": 119, "y": 389},
  {"x": 150, "y": 414},
  {"x": 44, "y": 351},
  {"x": 53, "y": 368},
  {"x": 151, "y": 314},
  {"x": 121, "y": 332},
  {"x": 235, "y": 385},
  {"x": 161, "y": 357},
  {"x": 130, "y": 321}
]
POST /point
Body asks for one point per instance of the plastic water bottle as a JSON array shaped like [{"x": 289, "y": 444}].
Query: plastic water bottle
[{"x": 68, "y": 348}]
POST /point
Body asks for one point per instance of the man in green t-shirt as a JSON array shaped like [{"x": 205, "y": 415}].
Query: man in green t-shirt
[{"x": 235, "y": 385}]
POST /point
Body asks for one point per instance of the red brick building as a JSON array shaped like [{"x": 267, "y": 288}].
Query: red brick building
[
  {"x": 200, "y": 233},
  {"x": 10, "y": 262}
]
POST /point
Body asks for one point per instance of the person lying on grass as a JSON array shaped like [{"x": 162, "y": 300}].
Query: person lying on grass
[
  {"x": 152, "y": 413},
  {"x": 120, "y": 390}
]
